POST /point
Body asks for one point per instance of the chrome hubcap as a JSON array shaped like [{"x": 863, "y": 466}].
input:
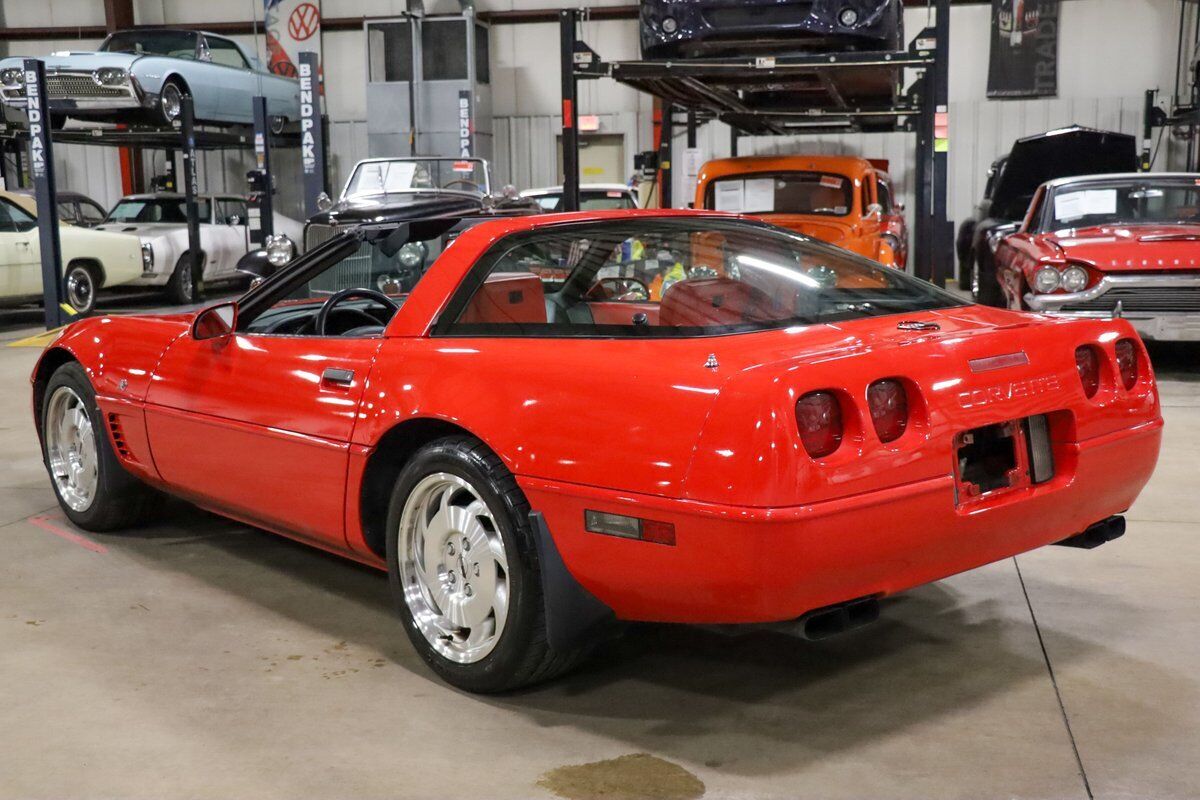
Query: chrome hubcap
[
  {"x": 172, "y": 102},
  {"x": 71, "y": 446},
  {"x": 185, "y": 278},
  {"x": 79, "y": 289},
  {"x": 453, "y": 568}
]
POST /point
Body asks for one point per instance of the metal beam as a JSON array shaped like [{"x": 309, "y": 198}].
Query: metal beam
[
  {"x": 118, "y": 15},
  {"x": 570, "y": 110}
]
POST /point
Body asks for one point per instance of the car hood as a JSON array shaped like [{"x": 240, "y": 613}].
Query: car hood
[
  {"x": 86, "y": 60},
  {"x": 406, "y": 205},
  {"x": 818, "y": 227},
  {"x": 1132, "y": 248},
  {"x": 147, "y": 230}
]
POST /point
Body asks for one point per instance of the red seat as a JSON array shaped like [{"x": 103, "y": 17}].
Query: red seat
[
  {"x": 709, "y": 302},
  {"x": 508, "y": 297}
]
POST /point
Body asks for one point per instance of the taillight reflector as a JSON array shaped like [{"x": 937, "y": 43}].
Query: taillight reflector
[
  {"x": 646, "y": 530},
  {"x": 819, "y": 418},
  {"x": 888, "y": 404},
  {"x": 1087, "y": 364},
  {"x": 1127, "y": 362}
]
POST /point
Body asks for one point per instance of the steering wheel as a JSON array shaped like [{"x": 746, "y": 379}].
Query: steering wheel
[
  {"x": 354, "y": 291},
  {"x": 464, "y": 182}
]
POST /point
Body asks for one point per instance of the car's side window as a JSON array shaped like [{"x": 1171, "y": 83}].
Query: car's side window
[
  {"x": 225, "y": 53},
  {"x": 90, "y": 213},
  {"x": 13, "y": 218}
]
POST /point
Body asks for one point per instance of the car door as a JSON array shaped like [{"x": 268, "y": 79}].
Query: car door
[
  {"x": 20, "y": 261},
  {"x": 231, "y": 78},
  {"x": 230, "y": 232},
  {"x": 258, "y": 426}
]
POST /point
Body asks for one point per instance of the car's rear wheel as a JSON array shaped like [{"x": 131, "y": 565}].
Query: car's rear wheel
[
  {"x": 93, "y": 489},
  {"x": 464, "y": 572},
  {"x": 80, "y": 285}
]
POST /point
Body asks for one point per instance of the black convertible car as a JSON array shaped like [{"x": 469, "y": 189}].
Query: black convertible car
[{"x": 691, "y": 28}]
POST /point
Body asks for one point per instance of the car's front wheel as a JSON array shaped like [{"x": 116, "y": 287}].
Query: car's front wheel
[
  {"x": 464, "y": 571},
  {"x": 80, "y": 285},
  {"x": 985, "y": 286},
  {"x": 170, "y": 102},
  {"x": 93, "y": 489},
  {"x": 181, "y": 287}
]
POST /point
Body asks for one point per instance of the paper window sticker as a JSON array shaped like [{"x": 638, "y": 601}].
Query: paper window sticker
[
  {"x": 759, "y": 195},
  {"x": 730, "y": 196}
]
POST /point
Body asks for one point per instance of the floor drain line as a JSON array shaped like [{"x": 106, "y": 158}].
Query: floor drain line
[{"x": 1087, "y": 787}]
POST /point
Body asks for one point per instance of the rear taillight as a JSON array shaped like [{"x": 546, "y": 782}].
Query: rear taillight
[
  {"x": 819, "y": 417},
  {"x": 888, "y": 404},
  {"x": 1127, "y": 362},
  {"x": 1087, "y": 363}
]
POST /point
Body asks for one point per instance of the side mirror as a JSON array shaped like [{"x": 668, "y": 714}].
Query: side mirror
[
  {"x": 899, "y": 206},
  {"x": 874, "y": 210},
  {"x": 256, "y": 263},
  {"x": 215, "y": 322}
]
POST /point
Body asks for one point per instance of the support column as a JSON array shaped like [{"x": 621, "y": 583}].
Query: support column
[
  {"x": 191, "y": 188},
  {"x": 570, "y": 112},
  {"x": 41, "y": 169},
  {"x": 262, "y": 154}
]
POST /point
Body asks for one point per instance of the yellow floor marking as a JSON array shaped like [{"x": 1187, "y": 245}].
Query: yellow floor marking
[{"x": 37, "y": 340}]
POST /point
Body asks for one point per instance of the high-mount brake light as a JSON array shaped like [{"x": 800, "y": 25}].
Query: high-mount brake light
[
  {"x": 888, "y": 403},
  {"x": 819, "y": 418},
  {"x": 1087, "y": 364}
]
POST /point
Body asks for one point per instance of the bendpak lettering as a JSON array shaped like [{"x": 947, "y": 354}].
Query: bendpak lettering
[
  {"x": 308, "y": 155},
  {"x": 1013, "y": 390},
  {"x": 464, "y": 126},
  {"x": 37, "y": 154}
]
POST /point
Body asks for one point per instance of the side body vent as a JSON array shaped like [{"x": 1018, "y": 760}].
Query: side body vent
[{"x": 114, "y": 425}]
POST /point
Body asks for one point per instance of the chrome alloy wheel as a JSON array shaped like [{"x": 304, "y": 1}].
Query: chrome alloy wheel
[
  {"x": 453, "y": 568},
  {"x": 172, "y": 101},
  {"x": 71, "y": 448},
  {"x": 80, "y": 289}
]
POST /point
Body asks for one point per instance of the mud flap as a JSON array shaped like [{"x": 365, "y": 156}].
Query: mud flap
[{"x": 573, "y": 614}]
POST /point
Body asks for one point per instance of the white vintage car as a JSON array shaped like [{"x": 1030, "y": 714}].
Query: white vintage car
[
  {"x": 160, "y": 221},
  {"x": 91, "y": 260}
]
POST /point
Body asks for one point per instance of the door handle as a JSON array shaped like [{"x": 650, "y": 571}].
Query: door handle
[{"x": 337, "y": 376}]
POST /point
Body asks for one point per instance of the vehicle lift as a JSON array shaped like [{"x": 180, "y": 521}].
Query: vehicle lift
[
  {"x": 35, "y": 140},
  {"x": 708, "y": 88}
]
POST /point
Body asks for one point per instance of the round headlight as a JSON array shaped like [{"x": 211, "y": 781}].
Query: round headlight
[
  {"x": 848, "y": 17},
  {"x": 412, "y": 255},
  {"x": 109, "y": 76},
  {"x": 280, "y": 250},
  {"x": 11, "y": 76},
  {"x": 1046, "y": 280},
  {"x": 669, "y": 25},
  {"x": 1074, "y": 279}
]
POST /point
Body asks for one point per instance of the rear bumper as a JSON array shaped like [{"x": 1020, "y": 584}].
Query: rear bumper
[{"x": 744, "y": 565}]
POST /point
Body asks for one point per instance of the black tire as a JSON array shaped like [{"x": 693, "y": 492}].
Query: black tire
[
  {"x": 278, "y": 123},
  {"x": 120, "y": 500},
  {"x": 57, "y": 121},
  {"x": 170, "y": 101},
  {"x": 522, "y": 655},
  {"x": 181, "y": 288},
  {"x": 80, "y": 285},
  {"x": 985, "y": 287}
]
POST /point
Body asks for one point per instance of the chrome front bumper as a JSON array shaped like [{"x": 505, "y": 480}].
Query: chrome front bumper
[
  {"x": 68, "y": 91},
  {"x": 1161, "y": 307}
]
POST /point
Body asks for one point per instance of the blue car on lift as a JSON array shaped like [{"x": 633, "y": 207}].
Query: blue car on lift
[
  {"x": 697, "y": 28},
  {"x": 142, "y": 76}
]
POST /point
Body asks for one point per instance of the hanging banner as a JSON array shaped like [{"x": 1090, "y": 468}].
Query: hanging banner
[
  {"x": 292, "y": 26},
  {"x": 1024, "y": 59}
]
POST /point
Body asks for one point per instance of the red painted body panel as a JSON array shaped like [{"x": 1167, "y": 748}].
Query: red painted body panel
[{"x": 649, "y": 427}]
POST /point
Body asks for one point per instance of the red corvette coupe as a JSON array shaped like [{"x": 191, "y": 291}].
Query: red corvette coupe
[
  {"x": 1105, "y": 245},
  {"x": 530, "y": 446}
]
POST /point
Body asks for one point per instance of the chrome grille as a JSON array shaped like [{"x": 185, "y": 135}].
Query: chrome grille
[
  {"x": 355, "y": 270},
  {"x": 1147, "y": 300},
  {"x": 76, "y": 86}
]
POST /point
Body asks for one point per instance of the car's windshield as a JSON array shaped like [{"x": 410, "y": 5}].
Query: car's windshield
[
  {"x": 671, "y": 277},
  {"x": 818, "y": 193},
  {"x": 176, "y": 44},
  {"x": 417, "y": 175},
  {"x": 157, "y": 209},
  {"x": 1124, "y": 203}
]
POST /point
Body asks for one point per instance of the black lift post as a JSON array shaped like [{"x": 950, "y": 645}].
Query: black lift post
[{"x": 41, "y": 169}]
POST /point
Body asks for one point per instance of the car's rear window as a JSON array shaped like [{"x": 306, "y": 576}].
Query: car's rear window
[
  {"x": 663, "y": 277},
  {"x": 819, "y": 193}
]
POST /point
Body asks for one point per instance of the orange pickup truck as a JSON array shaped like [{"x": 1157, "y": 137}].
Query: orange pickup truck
[{"x": 842, "y": 200}]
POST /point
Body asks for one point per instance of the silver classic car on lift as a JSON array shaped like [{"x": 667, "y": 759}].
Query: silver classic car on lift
[{"x": 147, "y": 72}]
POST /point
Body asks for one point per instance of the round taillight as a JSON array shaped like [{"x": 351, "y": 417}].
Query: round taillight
[
  {"x": 888, "y": 403},
  {"x": 1127, "y": 362},
  {"x": 1087, "y": 364},
  {"x": 819, "y": 418}
]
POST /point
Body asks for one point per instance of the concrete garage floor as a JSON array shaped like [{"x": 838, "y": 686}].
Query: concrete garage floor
[{"x": 200, "y": 658}]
